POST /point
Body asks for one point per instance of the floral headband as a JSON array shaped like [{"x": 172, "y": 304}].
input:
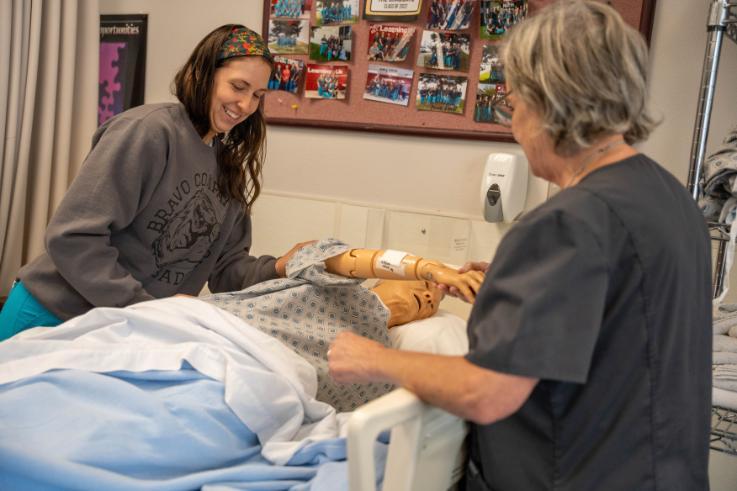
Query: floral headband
[{"x": 244, "y": 42}]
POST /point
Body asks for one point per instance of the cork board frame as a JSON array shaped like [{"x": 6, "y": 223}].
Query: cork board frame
[{"x": 356, "y": 113}]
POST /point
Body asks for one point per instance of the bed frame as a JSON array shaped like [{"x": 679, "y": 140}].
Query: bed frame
[{"x": 425, "y": 449}]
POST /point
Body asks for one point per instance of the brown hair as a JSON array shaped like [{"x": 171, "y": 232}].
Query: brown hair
[{"x": 245, "y": 143}]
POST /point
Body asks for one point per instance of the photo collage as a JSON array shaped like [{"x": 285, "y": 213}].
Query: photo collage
[{"x": 323, "y": 34}]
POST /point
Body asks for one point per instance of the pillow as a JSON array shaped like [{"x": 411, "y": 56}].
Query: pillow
[{"x": 442, "y": 334}]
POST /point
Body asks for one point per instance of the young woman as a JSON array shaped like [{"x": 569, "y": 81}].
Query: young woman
[{"x": 161, "y": 205}]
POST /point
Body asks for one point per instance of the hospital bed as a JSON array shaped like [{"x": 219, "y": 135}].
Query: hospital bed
[
  {"x": 424, "y": 450},
  {"x": 426, "y": 444}
]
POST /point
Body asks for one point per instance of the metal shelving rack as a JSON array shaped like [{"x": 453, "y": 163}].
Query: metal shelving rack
[{"x": 722, "y": 21}]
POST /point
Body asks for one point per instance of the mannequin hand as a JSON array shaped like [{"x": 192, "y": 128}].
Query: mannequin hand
[
  {"x": 353, "y": 358},
  {"x": 281, "y": 263},
  {"x": 464, "y": 283}
]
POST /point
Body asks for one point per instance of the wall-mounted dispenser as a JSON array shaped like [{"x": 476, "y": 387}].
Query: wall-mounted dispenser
[{"x": 504, "y": 186}]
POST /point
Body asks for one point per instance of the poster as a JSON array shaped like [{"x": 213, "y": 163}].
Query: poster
[
  {"x": 388, "y": 84},
  {"x": 122, "y": 76},
  {"x": 287, "y": 74},
  {"x": 490, "y": 105},
  {"x": 331, "y": 43},
  {"x": 389, "y": 43},
  {"x": 289, "y": 37},
  {"x": 445, "y": 51},
  {"x": 336, "y": 12},
  {"x": 450, "y": 15},
  {"x": 492, "y": 70},
  {"x": 326, "y": 81},
  {"x": 291, "y": 9},
  {"x": 443, "y": 93},
  {"x": 498, "y": 16},
  {"x": 392, "y": 10}
]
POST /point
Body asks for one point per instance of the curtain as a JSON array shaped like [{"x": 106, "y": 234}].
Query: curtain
[{"x": 48, "y": 112}]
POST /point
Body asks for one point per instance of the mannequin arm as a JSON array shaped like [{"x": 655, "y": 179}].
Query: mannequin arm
[{"x": 396, "y": 265}]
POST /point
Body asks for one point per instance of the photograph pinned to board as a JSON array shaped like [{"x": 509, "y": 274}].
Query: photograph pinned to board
[
  {"x": 498, "y": 16},
  {"x": 450, "y": 15},
  {"x": 326, "y": 81},
  {"x": 492, "y": 69},
  {"x": 289, "y": 37},
  {"x": 445, "y": 51},
  {"x": 332, "y": 12},
  {"x": 442, "y": 93},
  {"x": 331, "y": 43},
  {"x": 388, "y": 84},
  {"x": 392, "y": 10},
  {"x": 287, "y": 74},
  {"x": 122, "y": 74},
  {"x": 291, "y": 9},
  {"x": 491, "y": 107},
  {"x": 389, "y": 43}
]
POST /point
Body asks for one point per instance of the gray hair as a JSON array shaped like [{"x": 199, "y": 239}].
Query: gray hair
[{"x": 579, "y": 66}]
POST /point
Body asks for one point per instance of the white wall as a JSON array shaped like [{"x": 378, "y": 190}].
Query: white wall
[{"x": 366, "y": 175}]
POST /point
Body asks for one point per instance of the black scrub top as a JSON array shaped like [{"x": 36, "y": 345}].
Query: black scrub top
[{"x": 602, "y": 293}]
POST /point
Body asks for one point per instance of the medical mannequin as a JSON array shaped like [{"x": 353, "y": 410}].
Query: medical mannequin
[
  {"x": 306, "y": 310},
  {"x": 397, "y": 265},
  {"x": 408, "y": 300}
]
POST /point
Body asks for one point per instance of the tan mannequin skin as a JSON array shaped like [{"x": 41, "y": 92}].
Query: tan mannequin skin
[
  {"x": 408, "y": 300},
  {"x": 396, "y": 265}
]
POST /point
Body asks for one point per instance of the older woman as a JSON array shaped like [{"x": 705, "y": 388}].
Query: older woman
[{"x": 590, "y": 338}]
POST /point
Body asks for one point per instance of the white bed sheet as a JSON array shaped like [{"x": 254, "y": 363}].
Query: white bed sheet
[{"x": 163, "y": 335}]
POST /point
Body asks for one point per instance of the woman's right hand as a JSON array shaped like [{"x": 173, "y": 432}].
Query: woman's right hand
[{"x": 475, "y": 271}]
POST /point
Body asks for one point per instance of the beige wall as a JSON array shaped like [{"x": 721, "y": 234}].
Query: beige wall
[
  {"x": 314, "y": 179},
  {"x": 428, "y": 173}
]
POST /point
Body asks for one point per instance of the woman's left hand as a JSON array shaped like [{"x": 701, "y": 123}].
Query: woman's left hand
[
  {"x": 281, "y": 263},
  {"x": 476, "y": 270}
]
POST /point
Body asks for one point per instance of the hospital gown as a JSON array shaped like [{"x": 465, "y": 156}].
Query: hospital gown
[{"x": 308, "y": 309}]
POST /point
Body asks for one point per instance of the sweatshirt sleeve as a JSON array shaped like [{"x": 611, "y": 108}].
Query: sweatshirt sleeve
[
  {"x": 115, "y": 182},
  {"x": 235, "y": 268}
]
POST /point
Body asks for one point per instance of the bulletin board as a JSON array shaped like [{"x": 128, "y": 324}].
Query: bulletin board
[{"x": 356, "y": 113}]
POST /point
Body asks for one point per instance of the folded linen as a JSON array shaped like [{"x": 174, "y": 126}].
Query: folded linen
[
  {"x": 725, "y": 377},
  {"x": 725, "y": 343},
  {"x": 724, "y": 358},
  {"x": 724, "y": 398}
]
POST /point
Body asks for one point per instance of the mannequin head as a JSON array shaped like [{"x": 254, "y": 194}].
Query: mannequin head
[{"x": 408, "y": 300}]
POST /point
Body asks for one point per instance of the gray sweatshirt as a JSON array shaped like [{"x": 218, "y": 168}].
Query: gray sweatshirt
[{"x": 144, "y": 219}]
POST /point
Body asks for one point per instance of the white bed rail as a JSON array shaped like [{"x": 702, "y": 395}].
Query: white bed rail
[{"x": 424, "y": 450}]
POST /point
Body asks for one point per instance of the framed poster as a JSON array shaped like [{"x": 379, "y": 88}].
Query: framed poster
[
  {"x": 392, "y": 10},
  {"x": 436, "y": 75},
  {"x": 122, "y": 77}
]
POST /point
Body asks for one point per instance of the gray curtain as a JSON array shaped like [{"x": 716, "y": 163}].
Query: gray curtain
[{"x": 48, "y": 101}]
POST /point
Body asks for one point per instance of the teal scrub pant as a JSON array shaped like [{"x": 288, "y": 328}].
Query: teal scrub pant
[{"x": 21, "y": 311}]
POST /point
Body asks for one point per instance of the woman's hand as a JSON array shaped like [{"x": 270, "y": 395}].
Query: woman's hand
[
  {"x": 464, "y": 283},
  {"x": 281, "y": 263},
  {"x": 353, "y": 358}
]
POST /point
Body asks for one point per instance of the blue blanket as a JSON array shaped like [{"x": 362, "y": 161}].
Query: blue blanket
[{"x": 71, "y": 428}]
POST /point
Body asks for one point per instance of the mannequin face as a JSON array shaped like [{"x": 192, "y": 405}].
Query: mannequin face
[
  {"x": 237, "y": 90},
  {"x": 408, "y": 300}
]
